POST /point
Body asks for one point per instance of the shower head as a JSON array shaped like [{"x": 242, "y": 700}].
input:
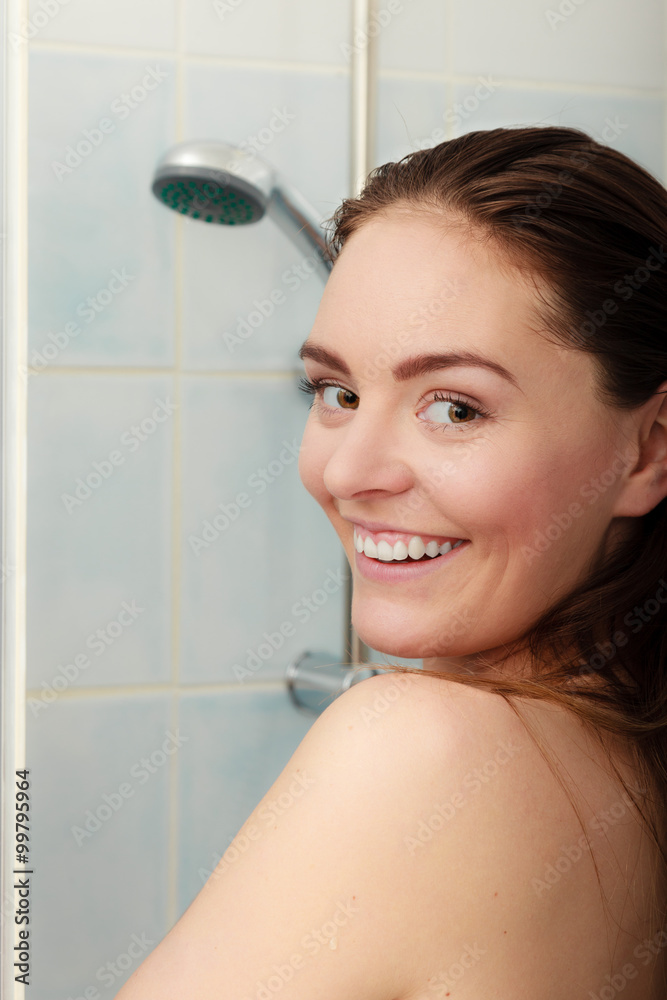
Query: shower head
[{"x": 216, "y": 182}]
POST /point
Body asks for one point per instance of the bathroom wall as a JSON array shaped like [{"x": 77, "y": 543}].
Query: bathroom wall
[{"x": 159, "y": 391}]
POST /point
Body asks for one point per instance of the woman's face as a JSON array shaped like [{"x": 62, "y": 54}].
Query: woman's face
[{"x": 526, "y": 467}]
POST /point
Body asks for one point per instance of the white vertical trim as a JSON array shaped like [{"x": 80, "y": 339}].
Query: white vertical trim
[
  {"x": 174, "y": 814},
  {"x": 13, "y": 427},
  {"x": 363, "y": 90}
]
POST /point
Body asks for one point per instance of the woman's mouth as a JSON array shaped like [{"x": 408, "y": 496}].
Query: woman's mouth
[
  {"x": 403, "y": 560},
  {"x": 397, "y": 547}
]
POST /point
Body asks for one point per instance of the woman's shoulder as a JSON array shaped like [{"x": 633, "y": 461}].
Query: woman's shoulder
[
  {"x": 421, "y": 712},
  {"x": 468, "y": 723},
  {"x": 515, "y": 838},
  {"x": 416, "y": 732},
  {"x": 531, "y": 766}
]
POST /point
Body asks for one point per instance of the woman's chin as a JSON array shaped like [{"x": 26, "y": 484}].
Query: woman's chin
[{"x": 384, "y": 641}]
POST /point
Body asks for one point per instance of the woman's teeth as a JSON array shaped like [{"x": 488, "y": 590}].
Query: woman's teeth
[{"x": 415, "y": 548}]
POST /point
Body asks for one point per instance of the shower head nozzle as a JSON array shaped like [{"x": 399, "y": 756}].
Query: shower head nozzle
[{"x": 216, "y": 182}]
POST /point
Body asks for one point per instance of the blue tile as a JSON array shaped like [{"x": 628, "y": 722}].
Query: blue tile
[
  {"x": 99, "y": 533},
  {"x": 99, "y": 839},
  {"x": 302, "y": 30},
  {"x": 411, "y": 36},
  {"x": 149, "y": 24},
  {"x": 100, "y": 246},
  {"x": 612, "y": 43},
  {"x": 244, "y": 741},
  {"x": 261, "y": 562},
  {"x": 250, "y": 298}
]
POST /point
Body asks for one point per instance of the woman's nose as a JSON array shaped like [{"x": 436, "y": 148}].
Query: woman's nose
[{"x": 368, "y": 455}]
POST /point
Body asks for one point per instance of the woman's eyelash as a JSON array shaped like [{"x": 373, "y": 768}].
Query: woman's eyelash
[
  {"x": 312, "y": 388},
  {"x": 315, "y": 386},
  {"x": 453, "y": 397}
]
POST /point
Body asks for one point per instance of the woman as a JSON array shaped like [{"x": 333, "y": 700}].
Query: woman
[{"x": 489, "y": 440}]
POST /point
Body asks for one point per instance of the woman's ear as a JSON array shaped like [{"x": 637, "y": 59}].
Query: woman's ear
[{"x": 646, "y": 483}]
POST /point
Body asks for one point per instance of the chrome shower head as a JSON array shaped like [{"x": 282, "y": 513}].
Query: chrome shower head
[{"x": 216, "y": 182}]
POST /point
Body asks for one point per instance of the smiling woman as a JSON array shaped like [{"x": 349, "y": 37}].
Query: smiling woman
[{"x": 491, "y": 825}]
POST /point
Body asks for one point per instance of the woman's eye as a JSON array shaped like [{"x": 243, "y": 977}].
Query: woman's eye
[
  {"x": 453, "y": 411},
  {"x": 339, "y": 397}
]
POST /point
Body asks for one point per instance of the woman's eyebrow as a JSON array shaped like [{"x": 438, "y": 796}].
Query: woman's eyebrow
[{"x": 419, "y": 364}]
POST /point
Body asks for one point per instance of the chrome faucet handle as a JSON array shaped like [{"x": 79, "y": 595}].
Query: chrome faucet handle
[{"x": 314, "y": 680}]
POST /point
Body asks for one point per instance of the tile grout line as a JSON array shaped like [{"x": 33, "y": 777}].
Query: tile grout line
[
  {"x": 147, "y": 689},
  {"x": 525, "y": 82},
  {"x": 116, "y": 372},
  {"x": 143, "y": 52},
  {"x": 336, "y": 69}
]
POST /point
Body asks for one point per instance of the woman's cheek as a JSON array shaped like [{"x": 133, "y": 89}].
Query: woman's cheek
[
  {"x": 538, "y": 500},
  {"x": 504, "y": 494}
]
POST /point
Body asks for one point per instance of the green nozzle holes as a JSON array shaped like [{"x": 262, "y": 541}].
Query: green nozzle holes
[{"x": 203, "y": 198}]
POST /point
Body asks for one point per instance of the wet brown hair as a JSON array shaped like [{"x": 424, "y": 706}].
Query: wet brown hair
[{"x": 591, "y": 223}]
